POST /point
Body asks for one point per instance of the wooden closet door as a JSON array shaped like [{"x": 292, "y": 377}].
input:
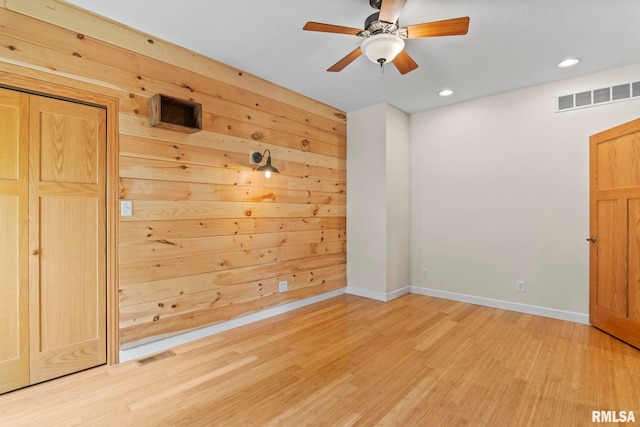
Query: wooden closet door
[
  {"x": 615, "y": 231},
  {"x": 67, "y": 237},
  {"x": 14, "y": 280}
]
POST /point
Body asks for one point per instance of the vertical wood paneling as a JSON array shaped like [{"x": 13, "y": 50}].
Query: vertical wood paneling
[{"x": 208, "y": 234}]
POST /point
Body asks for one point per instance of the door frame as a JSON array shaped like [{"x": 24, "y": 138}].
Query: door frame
[{"x": 111, "y": 104}]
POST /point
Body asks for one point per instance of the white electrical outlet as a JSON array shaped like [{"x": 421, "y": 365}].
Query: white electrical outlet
[
  {"x": 126, "y": 208},
  {"x": 283, "y": 286},
  {"x": 424, "y": 272},
  {"x": 520, "y": 286}
]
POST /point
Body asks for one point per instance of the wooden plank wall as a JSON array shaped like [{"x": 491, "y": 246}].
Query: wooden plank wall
[{"x": 210, "y": 238}]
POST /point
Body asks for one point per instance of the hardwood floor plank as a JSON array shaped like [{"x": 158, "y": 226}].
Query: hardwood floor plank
[{"x": 414, "y": 361}]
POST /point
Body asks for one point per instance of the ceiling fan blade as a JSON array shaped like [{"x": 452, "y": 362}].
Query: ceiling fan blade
[
  {"x": 404, "y": 62},
  {"x": 340, "y": 65},
  {"x": 448, "y": 27},
  {"x": 328, "y": 28},
  {"x": 390, "y": 10}
]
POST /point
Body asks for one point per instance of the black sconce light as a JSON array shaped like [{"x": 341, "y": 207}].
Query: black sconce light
[{"x": 267, "y": 168}]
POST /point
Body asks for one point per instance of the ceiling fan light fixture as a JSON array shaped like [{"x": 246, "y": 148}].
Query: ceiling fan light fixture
[{"x": 382, "y": 48}]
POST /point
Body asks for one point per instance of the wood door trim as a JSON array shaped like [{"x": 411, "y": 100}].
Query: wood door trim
[{"x": 111, "y": 104}]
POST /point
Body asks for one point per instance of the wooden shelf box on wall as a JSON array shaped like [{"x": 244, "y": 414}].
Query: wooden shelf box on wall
[{"x": 176, "y": 114}]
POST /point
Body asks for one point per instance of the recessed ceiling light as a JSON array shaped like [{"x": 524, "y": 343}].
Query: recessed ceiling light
[
  {"x": 569, "y": 62},
  {"x": 445, "y": 92}
]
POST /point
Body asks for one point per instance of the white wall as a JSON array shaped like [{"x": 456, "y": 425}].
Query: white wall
[
  {"x": 378, "y": 250},
  {"x": 500, "y": 193},
  {"x": 398, "y": 206},
  {"x": 366, "y": 199}
]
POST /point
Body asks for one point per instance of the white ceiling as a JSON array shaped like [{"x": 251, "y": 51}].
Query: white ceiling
[{"x": 511, "y": 44}]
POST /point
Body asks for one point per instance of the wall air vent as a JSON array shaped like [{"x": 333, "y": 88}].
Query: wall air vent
[
  {"x": 621, "y": 92},
  {"x": 602, "y": 95},
  {"x": 583, "y": 99},
  {"x": 606, "y": 95},
  {"x": 565, "y": 102}
]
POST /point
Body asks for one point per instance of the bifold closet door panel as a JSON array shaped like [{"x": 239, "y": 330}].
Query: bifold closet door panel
[
  {"x": 67, "y": 229},
  {"x": 14, "y": 281}
]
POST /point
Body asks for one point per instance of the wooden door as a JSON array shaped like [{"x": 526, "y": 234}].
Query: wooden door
[
  {"x": 67, "y": 237},
  {"x": 14, "y": 276},
  {"x": 615, "y": 231}
]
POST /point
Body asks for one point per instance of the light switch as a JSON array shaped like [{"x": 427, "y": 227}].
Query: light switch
[{"x": 126, "y": 208}]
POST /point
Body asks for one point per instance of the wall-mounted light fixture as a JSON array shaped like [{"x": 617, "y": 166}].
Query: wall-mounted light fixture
[{"x": 256, "y": 157}]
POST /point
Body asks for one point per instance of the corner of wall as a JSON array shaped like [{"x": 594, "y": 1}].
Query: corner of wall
[{"x": 378, "y": 201}]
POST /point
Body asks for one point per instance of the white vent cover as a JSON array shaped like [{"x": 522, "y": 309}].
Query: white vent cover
[{"x": 605, "y": 95}]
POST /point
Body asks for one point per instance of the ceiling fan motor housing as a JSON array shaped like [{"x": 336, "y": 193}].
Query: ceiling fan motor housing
[
  {"x": 373, "y": 25},
  {"x": 376, "y": 4}
]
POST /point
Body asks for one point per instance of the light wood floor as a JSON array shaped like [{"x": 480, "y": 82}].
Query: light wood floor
[{"x": 415, "y": 361}]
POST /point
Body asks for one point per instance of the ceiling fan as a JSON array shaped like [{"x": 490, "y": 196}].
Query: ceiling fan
[{"x": 384, "y": 38}]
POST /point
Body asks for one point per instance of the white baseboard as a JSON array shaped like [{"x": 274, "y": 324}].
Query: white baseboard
[
  {"x": 167, "y": 343},
  {"x": 380, "y": 296},
  {"x": 505, "y": 305}
]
